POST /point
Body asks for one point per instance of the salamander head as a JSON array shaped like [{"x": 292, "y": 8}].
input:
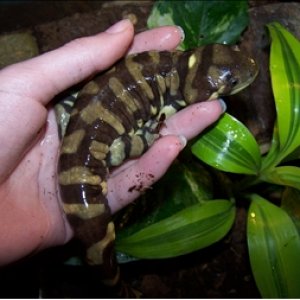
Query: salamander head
[
  {"x": 217, "y": 70},
  {"x": 231, "y": 71}
]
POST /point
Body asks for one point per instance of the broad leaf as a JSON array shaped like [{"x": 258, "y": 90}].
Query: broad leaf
[
  {"x": 285, "y": 76},
  {"x": 291, "y": 204},
  {"x": 274, "y": 247},
  {"x": 190, "y": 229},
  {"x": 229, "y": 146},
  {"x": 286, "y": 175},
  {"x": 204, "y": 22},
  {"x": 184, "y": 185}
]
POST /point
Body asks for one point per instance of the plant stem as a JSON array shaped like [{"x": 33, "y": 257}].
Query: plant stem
[{"x": 246, "y": 183}]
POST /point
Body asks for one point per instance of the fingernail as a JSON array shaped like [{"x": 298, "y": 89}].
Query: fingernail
[
  {"x": 182, "y": 34},
  {"x": 223, "y": 105},
  {"x": 182, "y": 140},
  {"x": 119, "y": 27}
]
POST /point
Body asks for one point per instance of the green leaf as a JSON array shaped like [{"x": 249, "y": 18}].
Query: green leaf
[
  {"x": 295, "y": 155},
  {"x": 287, "y": 175},
  {"x": 291, "y": 204},
  {"x": 274, "y": 247},
  {"x": 190, "y": 229},
  {"x": 204, "y": 22},
  {"x": 184, "y": 184},
  {"x": 285, "y": 76},
  {"x": 229, "y": 146}
]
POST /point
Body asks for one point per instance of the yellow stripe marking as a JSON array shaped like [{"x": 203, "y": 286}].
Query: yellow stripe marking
[
  {"x": 190, "y": 93},
  {"x": 153, "y": 110},
  {"x": 103, "y": 185},
  {"x": 168, "y": 111},
  {"x": 98, "y": 150},
  {"x": 72, "y": 141},
  {"x": 137, "y": 146},
  {"x": 79, "y": 175},
  {"x": 140, "y": 123},
  {"x": 95, "y": 252},
  {"x": 192, "y": 60},
  {"x": 123, "y": 94},
  {"x": 161, "y": 83},
  {"x": 174, "y": 82},
  {"x": 155, "y": 57},
  {"x": 117, "y": 152},
  {"x": 95, "y": 111},
  {"x": 135, "y": 69},
  {"x": 84, "y": 211},
  {"x": 91, "y": 88}
]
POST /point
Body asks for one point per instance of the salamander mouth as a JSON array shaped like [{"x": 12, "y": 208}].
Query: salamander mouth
[
  {"x": 251, "y": 75},
  {"x": 233, "y": 86},
  {"x": 241, "y": 86}
]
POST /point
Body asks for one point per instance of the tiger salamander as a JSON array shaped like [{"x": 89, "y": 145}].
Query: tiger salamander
[{"x": 116, "y": 117}]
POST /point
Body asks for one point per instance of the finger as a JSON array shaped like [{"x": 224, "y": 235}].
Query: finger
[
  {"x": 27, "y": 85},
  {"x": 143, "y": 172},
  {"x": 134, "y": 177},
  {"x": 187, "y": 123},
  {"x": 162, "y": 38},
  {"x": 190, "y": 121},
  {"x": 45, "y": 76}
]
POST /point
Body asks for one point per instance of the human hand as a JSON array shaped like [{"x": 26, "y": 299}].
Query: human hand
[{"x": 31, "y": 217}]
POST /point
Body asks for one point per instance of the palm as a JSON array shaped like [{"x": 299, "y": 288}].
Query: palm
[{"x": 31, "y": 217}]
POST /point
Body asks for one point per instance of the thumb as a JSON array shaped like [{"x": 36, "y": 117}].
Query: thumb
[{"x": 68, "y": 65}]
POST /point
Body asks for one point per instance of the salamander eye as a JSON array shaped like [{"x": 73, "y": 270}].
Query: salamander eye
[
  {"x": 228, "y": 78},
  {"x": 233, "y": 81}
]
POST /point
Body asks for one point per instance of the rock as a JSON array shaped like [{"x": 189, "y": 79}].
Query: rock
[
  {"x": 16, "y": 47},
  {"x": 54, "y": 34}
]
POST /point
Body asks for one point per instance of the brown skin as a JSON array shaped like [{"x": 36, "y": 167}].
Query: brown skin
[{"x": 31, "y": 217}]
